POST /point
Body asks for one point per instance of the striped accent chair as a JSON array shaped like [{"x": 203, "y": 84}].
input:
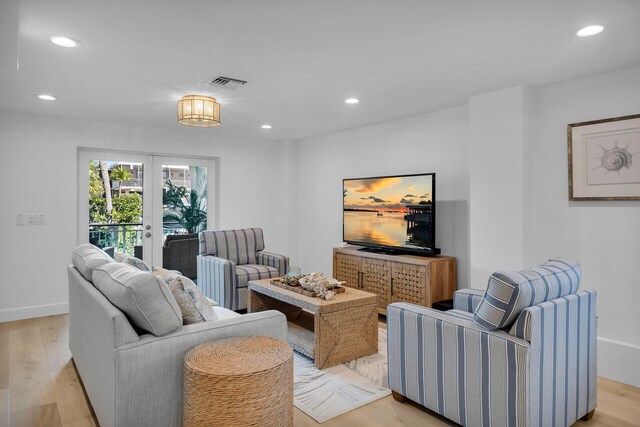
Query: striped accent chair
[
  {"x": 229, "y": 259},
  {"x": 537, "y": 370}
]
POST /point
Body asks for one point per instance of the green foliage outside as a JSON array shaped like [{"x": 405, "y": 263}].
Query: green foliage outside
[
  {"x": 97, "y": 210},
  {"x": 188, "y": 209},
  {"x": 126, "y": 209},
  {"x": 96, "y": 188},
  {"x": 120, "y": 175}
]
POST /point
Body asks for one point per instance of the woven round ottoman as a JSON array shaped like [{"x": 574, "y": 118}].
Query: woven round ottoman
[{"x": 241, "y": 381}]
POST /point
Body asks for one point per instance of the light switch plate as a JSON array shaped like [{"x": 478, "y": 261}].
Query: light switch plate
[{"x": 19, "y": 219}]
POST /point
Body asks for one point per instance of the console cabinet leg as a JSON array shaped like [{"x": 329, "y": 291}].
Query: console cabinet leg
[{"x": 398, "y": 397}]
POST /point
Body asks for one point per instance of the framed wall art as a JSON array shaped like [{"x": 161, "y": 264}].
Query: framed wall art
[{"x": 604, "y": 159}]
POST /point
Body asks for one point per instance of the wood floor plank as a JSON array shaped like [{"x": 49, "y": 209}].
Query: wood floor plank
[
  {"x": 81, "y": 423},
  {"x": 618, "y": 401},
  {"x": 55, "y": 339},
  {"x": 70, "y": 397},
  {"x": 4, "y": 407},
  {"x": 30, "y": 383},
  {"x": 4, "y": 355},
  {"x": 40, "y": 416}
]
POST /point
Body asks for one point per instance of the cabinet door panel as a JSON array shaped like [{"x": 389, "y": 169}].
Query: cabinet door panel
[
  {"x": 376, "y": 278},
  {"x": 409, "y": 283},
  {"x": 347, "y": 268}
]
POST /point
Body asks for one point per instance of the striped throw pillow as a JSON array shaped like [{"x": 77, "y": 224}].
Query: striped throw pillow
[{"x": 510, "y": 292}]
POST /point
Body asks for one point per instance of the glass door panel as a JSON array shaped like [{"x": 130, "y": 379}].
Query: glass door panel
[
  {"x": 184, "y": 205},
  {"x": 115, "y": 203},
  {"x": 184, "y": 199}
]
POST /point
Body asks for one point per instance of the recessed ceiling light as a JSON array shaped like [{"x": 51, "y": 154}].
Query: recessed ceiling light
[
  {"x": 266, "y": 126},
  {"x": 351, "y": 100},
  {"x": 591, "y": 30},
  {"x": 64, "y": 41},
  {"x": 47, "y": 97}
]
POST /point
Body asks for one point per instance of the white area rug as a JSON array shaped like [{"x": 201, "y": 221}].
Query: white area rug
[{"x": 325, "y": 394}]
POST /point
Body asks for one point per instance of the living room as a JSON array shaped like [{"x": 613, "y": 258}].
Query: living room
[{"x": 481, "y": 95}]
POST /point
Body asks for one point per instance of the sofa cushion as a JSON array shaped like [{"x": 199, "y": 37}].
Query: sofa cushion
[
  {"x": 142, "y": 296},
  {"x": 136, "y": 263},
  {"x": 239, "y": 246},
  {"x": 510, "y": 292},
  {"x": 247, "y": 272},
  {"x": 193, "y": 304},
  {"x": 85, "y": 258}
]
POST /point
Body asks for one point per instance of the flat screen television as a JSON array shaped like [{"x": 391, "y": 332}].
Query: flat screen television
[{"x": 392, "y": 214}]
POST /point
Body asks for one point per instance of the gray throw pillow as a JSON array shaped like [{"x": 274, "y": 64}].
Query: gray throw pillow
[
  {"x": 132, "y": 261},
  {"x": 85, "y": 258},
  {"x": 192, "y": 302},
  {"x": 142, "y": 296}
]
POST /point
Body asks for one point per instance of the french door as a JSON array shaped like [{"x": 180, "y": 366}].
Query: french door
[{"x": 130, "y": 202}]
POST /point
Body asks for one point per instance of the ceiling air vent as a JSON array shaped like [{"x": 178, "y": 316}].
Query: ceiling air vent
[{"x": 227, "y": 82}]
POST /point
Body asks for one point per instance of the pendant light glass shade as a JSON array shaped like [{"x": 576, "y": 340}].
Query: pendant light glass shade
[{"x": 198, "y": 110}]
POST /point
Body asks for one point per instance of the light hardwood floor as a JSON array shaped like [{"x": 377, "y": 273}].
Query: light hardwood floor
[{"x": 39, "y": 387}]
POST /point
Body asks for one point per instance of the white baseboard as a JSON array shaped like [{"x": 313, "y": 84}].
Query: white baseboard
[
  {"x": 30, "y": 312},
  {"x": 618, "y": 361}
]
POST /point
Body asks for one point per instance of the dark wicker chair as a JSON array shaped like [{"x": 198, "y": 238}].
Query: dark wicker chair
[{"x": 180, "y": 252}]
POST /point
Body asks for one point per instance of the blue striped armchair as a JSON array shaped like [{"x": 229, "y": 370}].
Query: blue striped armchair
[
  {"x": 521, "y": 353},
  {"x": 229, "y": 259}
]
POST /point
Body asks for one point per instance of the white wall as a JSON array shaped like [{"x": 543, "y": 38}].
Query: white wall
[
  {"x": 435, "y": 142},
  {"x": 496, "y": 140},
  {"x": 38, "y": 174},
  {"x": 603, "y": 236}
]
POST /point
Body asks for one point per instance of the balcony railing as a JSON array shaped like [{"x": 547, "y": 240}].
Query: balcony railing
[
  {"x": 123, "y": 237},
  {"x": 126, "y": 237}
]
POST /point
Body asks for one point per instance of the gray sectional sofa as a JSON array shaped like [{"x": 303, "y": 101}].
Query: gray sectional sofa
[{"x": 133, "y": 378}]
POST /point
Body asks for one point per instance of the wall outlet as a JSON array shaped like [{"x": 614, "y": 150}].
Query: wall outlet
[{"x": 35, "y": 219}]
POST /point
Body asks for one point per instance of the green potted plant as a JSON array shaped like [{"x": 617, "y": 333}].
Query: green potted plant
[{"x": 187, "y": 208}]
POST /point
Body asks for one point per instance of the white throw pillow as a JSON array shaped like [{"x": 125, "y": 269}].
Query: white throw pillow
[
  {"x": 192, "y": 302},
  {"x": 142, "y": 296}
]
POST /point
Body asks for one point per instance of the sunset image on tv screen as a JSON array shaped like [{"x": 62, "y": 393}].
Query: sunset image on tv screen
[{"x": 391, "y": 211}]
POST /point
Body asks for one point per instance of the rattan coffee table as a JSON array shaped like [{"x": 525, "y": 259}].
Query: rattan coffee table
[{"x": 330, "y": 332}]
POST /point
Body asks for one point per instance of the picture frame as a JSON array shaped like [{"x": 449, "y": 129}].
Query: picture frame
[{"x": 604, "y": 159}]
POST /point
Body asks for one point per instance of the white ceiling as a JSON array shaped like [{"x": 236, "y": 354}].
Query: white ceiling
[{"x": 302, "y": 58}]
